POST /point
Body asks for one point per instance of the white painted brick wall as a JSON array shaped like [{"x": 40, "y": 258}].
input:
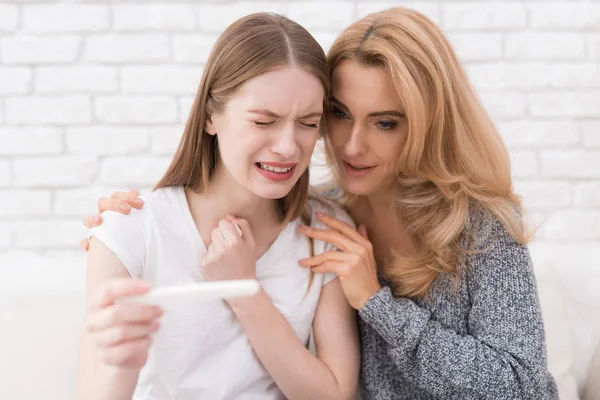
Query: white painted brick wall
[{"x": 94, "y": 97}]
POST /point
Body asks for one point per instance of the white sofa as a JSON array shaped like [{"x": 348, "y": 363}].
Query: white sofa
[{"x": 42, "y": 304}]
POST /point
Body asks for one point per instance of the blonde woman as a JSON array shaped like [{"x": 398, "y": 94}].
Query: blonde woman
[
  {"x": 242, "y": 160},
  {"x": 438, "y": 269}
]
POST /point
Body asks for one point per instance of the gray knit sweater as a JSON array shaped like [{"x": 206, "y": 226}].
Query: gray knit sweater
[{"x": 481, "y": 340}]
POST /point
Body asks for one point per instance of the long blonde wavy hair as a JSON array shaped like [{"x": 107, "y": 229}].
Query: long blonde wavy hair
[{"x": 453, "y": 159}]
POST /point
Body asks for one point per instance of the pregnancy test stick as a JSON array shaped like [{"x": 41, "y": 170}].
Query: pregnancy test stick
[{"x": 197, "y": 292}]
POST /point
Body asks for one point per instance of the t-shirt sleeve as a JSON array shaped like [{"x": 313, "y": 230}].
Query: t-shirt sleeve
[
  {"x": 124, "y": 236},
  {"x": 337, "y": 212}
]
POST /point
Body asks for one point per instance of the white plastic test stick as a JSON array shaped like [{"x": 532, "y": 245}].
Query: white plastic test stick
[{"x": 198, "y": 292}]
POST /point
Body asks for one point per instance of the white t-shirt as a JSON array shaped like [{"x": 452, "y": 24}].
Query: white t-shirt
[{"x": 201, "y": 350}]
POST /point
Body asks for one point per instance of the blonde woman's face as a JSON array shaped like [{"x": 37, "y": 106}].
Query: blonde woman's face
[
  {"x": 366, "y": 126},
  {"x": 268, "y": 130}
]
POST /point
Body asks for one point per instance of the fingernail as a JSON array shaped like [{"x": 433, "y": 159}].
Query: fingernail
[
  {"x": 302, "y": 227},
  {"x": 97, "y": 220},
  {"x": 124, "y": 207},
  {"x": 138, "y": 202},
  {"x": 320, "y": 214}
]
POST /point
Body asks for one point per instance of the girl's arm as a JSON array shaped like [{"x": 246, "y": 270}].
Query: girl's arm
[
  {"x": 333, "y": 374},
  {"x": 115, "y": 340}
]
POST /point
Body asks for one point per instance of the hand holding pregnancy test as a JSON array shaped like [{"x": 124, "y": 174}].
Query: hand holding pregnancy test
[{"x": 210, "y": 290}]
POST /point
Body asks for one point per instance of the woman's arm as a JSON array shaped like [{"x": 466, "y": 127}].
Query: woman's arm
[
  {"x": 504, "y": 354},
  {"x": 115, "y": 340},
  {"x": 333, "y": 374}
]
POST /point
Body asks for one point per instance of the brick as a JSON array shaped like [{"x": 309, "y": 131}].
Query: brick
[
  {"x": 565, "y": 104},
  {"x": 165, "y": 139},
  {"x": 329, "y": 15},
  {"x": 325, "y": 40},
  {"x": 573, "y": 225},
  {"x": 47, "y": 233},
  {"x": 477, "y": 46},
  {"x": 133, "y": 171},
  {"x": 127, "y": 48},
  {"x": 51, "y": 110},
  {"x": 79, "y": 202},
  {"x": 215, "y": 17},
  {"x": 185, "y": 107},
  {"x": 481, "y": 17},
  {"x": 544, "y": 194},
  {"x": 539, "y": 134},
  {"x": 4, "y": 237},
  {"x": 86, "y": 79},
  {"x": 9, "y": 17},
  {"x": 523, "y": 76},
  {"x": 15, "y": 80},
  {"x": 564, "y": 15},
  {"x": 587, "y": 194},
  {"x": 524, "y": 164},
  {"x": 593, "y": 44},
  {"x": 5, "y": 174},
  {"x": 192, "y": 48},
  {"x": 591, "y": 133},
  {"x": 66, "y": 18},
  {"x": 430, "y": 9},
  {"x": 15, "y": 141},
  {"x": 106, "y": 140},
  {"x": 160, "y": 79},
  {"x": 136, "y": 17},
  {"x": 136, "y": 109},
  {"x": 504, "y": 104},
  {"x": 570, "y": 164},
  {"x": 24, "y": 203},
  {"x": 55, "y": 171},
  {"x": 545, "y": 46},
  {"x": 576, "y": 75},
  {"x": 24, "y": 49}
]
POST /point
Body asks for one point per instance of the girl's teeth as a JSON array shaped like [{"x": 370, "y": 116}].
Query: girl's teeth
[{"x": 273, "y": 169}]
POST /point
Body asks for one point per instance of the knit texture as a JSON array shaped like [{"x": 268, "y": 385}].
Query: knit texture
[{"x": 482, "y": 339}]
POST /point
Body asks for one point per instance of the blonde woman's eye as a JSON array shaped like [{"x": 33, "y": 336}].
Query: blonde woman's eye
[
  {"x": 339, "y": 113},
  {"x": 386, "y": 125},
  {"x": 311, "y": 126}
]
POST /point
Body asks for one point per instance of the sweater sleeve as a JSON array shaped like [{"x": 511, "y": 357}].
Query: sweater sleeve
[{"x": 504, "y": 353}]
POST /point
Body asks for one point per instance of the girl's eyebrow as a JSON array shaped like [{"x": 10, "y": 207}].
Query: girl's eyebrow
[
  {"x": 269, "y": 113},
  {"x": 393, "y": 113}
]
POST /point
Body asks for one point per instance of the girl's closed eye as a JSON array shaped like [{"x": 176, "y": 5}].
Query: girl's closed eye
[
  {"x": 310, "y": 126},
  {"x": 263, "y": 123}
]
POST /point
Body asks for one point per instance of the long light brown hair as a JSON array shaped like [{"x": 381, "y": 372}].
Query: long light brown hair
[
  {"x": 251, "y": 46},
  {"x": 453, "y": 159}
]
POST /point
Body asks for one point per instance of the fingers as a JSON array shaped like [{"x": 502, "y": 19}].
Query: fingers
[
  {"x": 118, "y": 288},
  {"x": 91, "y": 221},
  {"x": 123, "y": 333},
  {"x": 244, "y": 227},
  {"x": 122, "y": 314},
  {"x": 325, "y": 256},
  {"x": 216, "y": 238},
  {"x": 337, "y": 267},
  {"x": 229, "y": 231},
  {"x": 131, "y": 197},
  {"x": 133, "y": 353},
  {"x": 340, "y": 226},
  {"x": 363, "y": 232},
  {"x": 331, "y": 236},
  {"x": 110, "y": 204}
]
